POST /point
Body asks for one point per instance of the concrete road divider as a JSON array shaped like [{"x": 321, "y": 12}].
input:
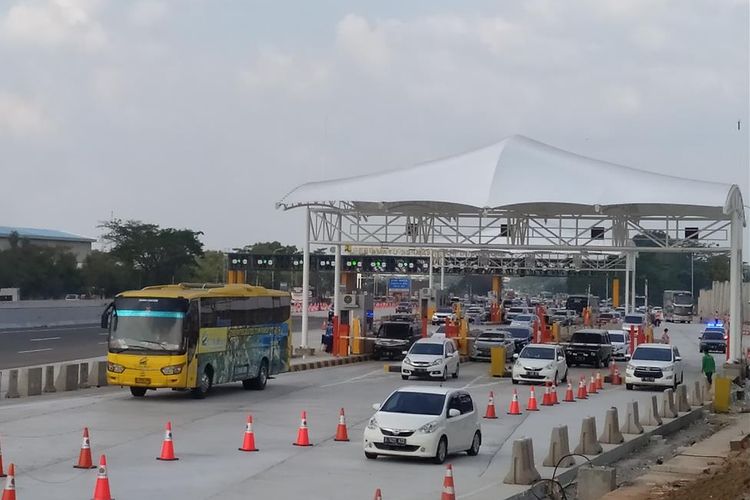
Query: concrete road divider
[
  {"x": 83, "y": 376},
  {"x": 595, "y": 482},
  {"x": 587, "y": 444},
  {"x": 522, "y": 468},
  {"x": 611, "y": 433},
  {"x": 681, "y": 397},
  {"x": 67, "y": 379},
  {"x": 49, "y": 379},
  {"x": 12, "y": 391},
  {"x": 58, "y": 377},
  {"x": 632, "y": 423},
  {"x": 696, "y": 396},
  {"x": 653, "y": 417},
  {"x": 30, "y": 382},
  {"x": 559, "y": 447},
  {"x": 667, "y": 404},
  {"x": 98, "y": 376}
]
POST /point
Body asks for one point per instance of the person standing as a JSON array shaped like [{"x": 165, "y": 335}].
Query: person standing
[
  {"x": 665, "y": 336},
  {"x": 709, "y": 366}
]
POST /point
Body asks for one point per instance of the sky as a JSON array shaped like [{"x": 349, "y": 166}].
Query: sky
[{"x": 202, "y": 114}]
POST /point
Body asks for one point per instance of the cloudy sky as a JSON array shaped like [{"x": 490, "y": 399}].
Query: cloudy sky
[{"x": 203, "y": 113}]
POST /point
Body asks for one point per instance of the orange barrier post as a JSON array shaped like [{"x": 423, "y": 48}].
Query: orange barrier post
[
  {"x": 531, "y": 404},
  {"x": 167, "y": 446},
  {"x": 101, "y": 489},
  {"x": 335, "y": 343},
  {"x": 303, "y": 437},
  {"x": 515, "y": 408},
  {"x": 449, "y": 490},
  {"x": 341, "y": 433},
  {"x": 490, "y": 413},
  {"x": 424, "y": 327},
  {"x": 632, "y": 339},
  {"x": 9, "y": 492},
  {"x": 84, "y": 457},
  {"x": 248, "y": 442}
]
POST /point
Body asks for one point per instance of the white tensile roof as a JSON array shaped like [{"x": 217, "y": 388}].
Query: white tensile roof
[{"x": 522, "y": 174}]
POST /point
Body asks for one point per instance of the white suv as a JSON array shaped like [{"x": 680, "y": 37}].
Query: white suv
[
  {"x": 654, "y": 365},
  {"x": 433, "y": 357},
  {"x": 427, "y": 422}
]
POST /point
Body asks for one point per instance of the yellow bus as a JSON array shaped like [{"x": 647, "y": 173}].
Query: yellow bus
[{"x": 193, "y": 336}]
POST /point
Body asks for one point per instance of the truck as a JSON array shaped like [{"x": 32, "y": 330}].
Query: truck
[
  {"x": 589, "y": 347},
  {"x": 678, "y": 306}
]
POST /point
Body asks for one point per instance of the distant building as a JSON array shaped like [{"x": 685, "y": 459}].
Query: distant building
[{"x": 79, "y": 246}]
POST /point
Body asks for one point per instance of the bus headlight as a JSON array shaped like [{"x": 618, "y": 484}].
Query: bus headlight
[
  {"x": 172, "y": 370},
  {"x": 114, "y": 367}
]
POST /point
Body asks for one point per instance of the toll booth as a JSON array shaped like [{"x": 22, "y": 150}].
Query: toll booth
[{"x": 355, "y": 319}]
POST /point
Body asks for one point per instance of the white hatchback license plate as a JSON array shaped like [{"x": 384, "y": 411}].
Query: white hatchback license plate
[{"x": 394, "y": 441}]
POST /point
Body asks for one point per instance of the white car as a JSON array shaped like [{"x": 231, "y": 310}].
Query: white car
[
  {"x": 433, "y": 357},
  {"x": 529, "y": 320},
  {"x": 654, "y": 365},
  {"x": 427, "y": 422},
  {"x": 439, "y": 316},
  {"x": 540, "y": 363},
  {"x": 620, "y": 344},
  {"x": 634, "y": 320}
]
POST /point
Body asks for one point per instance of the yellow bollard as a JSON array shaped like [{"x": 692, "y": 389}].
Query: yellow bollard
[
  {"x": 649, "y": 334},
  {"x": 497, "y": 362},
  {"x": 555, "y": 332},
  {"x": 356, "y": 337},
  {"x": 722, "y": 389}
]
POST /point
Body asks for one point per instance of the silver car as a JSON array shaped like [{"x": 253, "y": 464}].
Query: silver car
[
  {"x": 620, "y": 344},
  {"x": 488, "y": 339}
]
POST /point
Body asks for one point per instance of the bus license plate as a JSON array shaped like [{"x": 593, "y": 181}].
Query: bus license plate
[
  {"x": 144, "y": 381},
  {"x": 394, "y": 441}
]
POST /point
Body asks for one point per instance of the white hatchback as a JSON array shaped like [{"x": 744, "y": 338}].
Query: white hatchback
[
  {"x": 433, "y": 357},
  {"x": 540, "y": 363},
  {"x": 426, "y": 422}
]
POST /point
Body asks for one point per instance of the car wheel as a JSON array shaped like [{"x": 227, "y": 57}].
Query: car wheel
[
  {"x": 629, "y": 387},
  {"x": 404, "y": 377},
  {"x": 565, "y": 377},
  {"x": 674, "y": 386},
  {"x": 514, "y": 381},
  {"x": 138, "y": 392},
  {"x": 455, "y": 374},
  {"x": 475, "y": 444},
  {"x": 554, "y": 380},
  {"x": 371, "y": 456},
  {"x": 205, "y": 382},
  {"x": 442, "y": 451},
  {"x": 445, "y": 375},
  {"x": 598, "y": 363}
]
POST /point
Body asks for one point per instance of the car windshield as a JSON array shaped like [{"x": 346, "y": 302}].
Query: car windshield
[
  {"x": 652, "y": 354},
  {"x": 414, "y": 403},
  {"x": 524, "y": 317},
  {"x": 146, "y": 324},
  {"x": 519, "y": 333},
  {"x": 395, "y": 331},
  {"x": 713, "y": 335},
  {"x": 537, "y": 353},
  {"x": 586, "y": 338},
  {"x": 631, "y": 318},
  {"x": 491, "y": 336},
  {"x": 445, "y": 310},
  {"x": 517, "y": 310},
  {"x": 475, "y": 310},
  {"x": 617, "y": 337},
  {"x": 427, "y": 348}
]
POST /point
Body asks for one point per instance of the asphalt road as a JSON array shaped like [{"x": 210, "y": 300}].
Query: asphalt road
[{"x": 42, "y": 436}]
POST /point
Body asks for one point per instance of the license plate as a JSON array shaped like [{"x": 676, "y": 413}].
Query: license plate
[
  {"x": 143, "y": 381},
  {"x": 394, "y": 441},
  {"x": 648, "y": 379}
]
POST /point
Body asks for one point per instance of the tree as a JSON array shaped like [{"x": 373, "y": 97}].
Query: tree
[
  {"x": 158, "y": 255},
  {"x": 269, "y": 248},
  {"x": 103, "y": 274},
  {"x": 210, "y": 267}
]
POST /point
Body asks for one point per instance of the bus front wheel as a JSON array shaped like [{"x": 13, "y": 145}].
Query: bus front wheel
[
  {"x": 205, "y": 382},
  {"x": 258, "y": 383},
  {"x": 138, "y": 392}
]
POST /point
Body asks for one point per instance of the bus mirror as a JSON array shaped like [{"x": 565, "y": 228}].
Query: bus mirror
[{"x": 107, "y": 315}]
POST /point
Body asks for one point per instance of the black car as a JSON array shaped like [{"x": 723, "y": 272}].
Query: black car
[
  {"x": 589, "y": 347},
  {"x": 403, "y": 307},
  {"x": 521, "y": 335},
  {"x": 396, "y": 336},
  {"x": 713, "y": 340}
]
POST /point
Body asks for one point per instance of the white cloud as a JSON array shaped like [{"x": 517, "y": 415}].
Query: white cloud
[
  {"x": 55, "y": 23},
  {"x": 147, "y": 13},
  {"x": 364, "y": 44},
  {"x": 274, "y": 69},
  {"x": 21, "y": 118}
]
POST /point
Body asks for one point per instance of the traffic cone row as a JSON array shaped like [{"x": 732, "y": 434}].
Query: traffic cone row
[
  {"x": 9, "y": 491},
  {"x": 617, "y": 380},
  {"x": 341, "y": 433},
  {"x": 515, "y": 408},
  {"x": 531, "y": 404},
  {"x": 547, "y": 398},
  {"x": 582, "y": 394},
  {"x": 84, "y": 457},
  {"x": 592, "y": 386},
  {"x": 303, "y": 436},
  {"x": 553, "y": 394},
  {"x": 449, "y": 489},
  {"x": 569, "y": 394},
  {"x": 490, "y": 413},
  {"x": 101, "y": 489},
  {"x": 599, "y": 382}
]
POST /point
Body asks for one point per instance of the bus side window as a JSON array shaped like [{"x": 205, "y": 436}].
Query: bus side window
[{"x": 192, "y": 324}]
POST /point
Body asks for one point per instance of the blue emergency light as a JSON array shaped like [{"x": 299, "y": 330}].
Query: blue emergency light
[{"x": 715, "y": 324}]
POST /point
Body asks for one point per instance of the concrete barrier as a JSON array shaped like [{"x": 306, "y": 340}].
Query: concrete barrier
[
  {"x": 559, "y": 447},
  {"x": 12, "y": 391},
  {"x": 653, "y": 417},
  {"x": 611, "y": 433},
  {"x": 696, "y": 396},
  {"x": 30, "y": 381},
  {"x": 681, "y": 402},
  {"x": 632, "y": 423},
  {"x": 98, "y": 375},
  {"x": 83, "y": 376},
  {"x": 522, "y": 468},
  {"x": 595, "y": 482},
  {"x": 67, "y": 379},
  {"x": 667, "y": 404},
  {"x": 49, "y": 379},
  {"x": 588, "y": 445}
]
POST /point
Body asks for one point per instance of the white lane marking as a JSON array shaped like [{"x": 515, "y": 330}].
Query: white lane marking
[
  {"x": 488, "y": 384},
  {"x": 102, "y": 343},
  {"x": 35, "y": 350},
  {"x": 353, "y": 379},
  {"x": 47, "y": 330},
  {"x": 45, "y": 338},
  {"x": 472, "y": 382},
  {"x": 104, "y": 333}
]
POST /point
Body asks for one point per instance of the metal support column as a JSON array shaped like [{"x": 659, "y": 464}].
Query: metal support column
[
  {"x": 442, "y": 271},
  {"x": 735, "y": 291},
  {"x": 431, "y": 264},
  {"x": 628, "y": 258},
  {"x": 337, "y": 270},
  {"x": 633, "y": 302},
  {"x": 306, "y": 278}
]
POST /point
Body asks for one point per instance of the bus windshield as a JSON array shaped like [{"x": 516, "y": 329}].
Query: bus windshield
[{"x": 147, "y": 324}]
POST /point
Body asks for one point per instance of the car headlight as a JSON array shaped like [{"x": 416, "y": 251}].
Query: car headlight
[
  {"x": 114, "y": 367},
  {"x": 549, "y": 366},
  {"x": 629, "y": 367},
  {"x": 436, "y": 362},
  {"x": 172, "y": 370},
  {"x": 407, "y": 360},
  {"x": 429, "y": 428},
  {"x": 372, "y": 424}
]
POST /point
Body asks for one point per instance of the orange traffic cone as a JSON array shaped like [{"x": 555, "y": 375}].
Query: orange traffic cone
[
  {"x": 248, "y": 443},
  {"x": 617, "y": 380},
  {"x": 569, "y": 394},
  {"x": 167, "y": 447},
  {"x": 515, "y": 408},
  {"x": 449, "y": 490},
  {"x": 9, "y": 492},
  {"x": 378, "y": 495},
  {"x": 303, "y": 438},
  {"x": 341, "y": 434},
  {"x": 84, "y": 457},
  {"x": 490, "y": 413},
  {"x": 582, "y": 389},
  {"x": 531, "y": 404},
  {"x": 2, "y": 474},
  {"x": 101, "y": 490},
  {"x": 612, "y": 367},
  {"x": 599, "y": 382},
  {"x": 592, "y": 386},
  {"x": 547, "y": 398},
  {"x": 553, "y": 394}
]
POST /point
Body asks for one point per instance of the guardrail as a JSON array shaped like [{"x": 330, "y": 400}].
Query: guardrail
[{"x": 55, "y": 377}]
